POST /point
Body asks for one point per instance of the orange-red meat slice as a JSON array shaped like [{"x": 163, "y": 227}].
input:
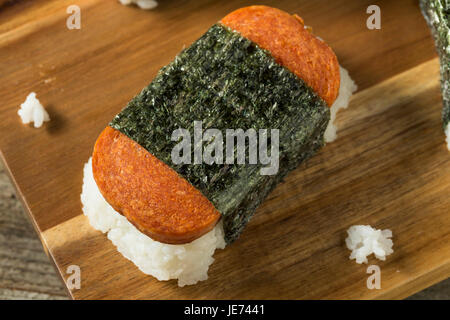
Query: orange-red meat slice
[
  {"x": 148, "y": 193},
  {"x": 292, "y": 46}
]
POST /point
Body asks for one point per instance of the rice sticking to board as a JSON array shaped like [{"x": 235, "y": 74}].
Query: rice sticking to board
[
  {"x": 169, "y": 218},
  {"x": 365, "y": 240},
  {"x": 33, "y": 111}
]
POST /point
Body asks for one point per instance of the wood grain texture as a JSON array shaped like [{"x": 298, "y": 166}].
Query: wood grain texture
[
  {"x": 25, "y": 271},
  {"x": 388, "y": 168}
]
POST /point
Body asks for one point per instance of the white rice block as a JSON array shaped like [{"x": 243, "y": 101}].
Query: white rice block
[
  {"x": 189, "y": 263},
  {"x": 33, "y": 111},
  {"x": 346, "y": 88},
  {"x": 365, "y": 240},
  {"x": 143, "y": 4}
]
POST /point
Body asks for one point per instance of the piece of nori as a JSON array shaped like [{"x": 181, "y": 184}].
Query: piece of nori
[
  {"x": 227, "y": 82},
  {"x": 436, "y": 13}
]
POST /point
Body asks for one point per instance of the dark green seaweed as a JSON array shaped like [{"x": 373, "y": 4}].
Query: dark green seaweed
[
  {"x": 436, "y": 13},
  {"x": 228, "y": 82}
]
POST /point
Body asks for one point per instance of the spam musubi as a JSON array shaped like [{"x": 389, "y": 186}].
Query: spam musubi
[{"x": 258, "y": 70}]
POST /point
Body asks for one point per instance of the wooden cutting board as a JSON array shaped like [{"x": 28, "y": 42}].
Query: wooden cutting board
[{"x": 388, "y": 168}]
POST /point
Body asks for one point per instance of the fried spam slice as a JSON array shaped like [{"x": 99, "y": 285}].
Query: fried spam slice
[
  {"x": 148, "y": 193},
  {"x": 291, "y": 44}
]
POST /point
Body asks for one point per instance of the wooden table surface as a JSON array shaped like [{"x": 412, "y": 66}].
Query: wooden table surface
[
  {"x": 25, "y": 270},
  {"x": 389, "y": 167}
]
